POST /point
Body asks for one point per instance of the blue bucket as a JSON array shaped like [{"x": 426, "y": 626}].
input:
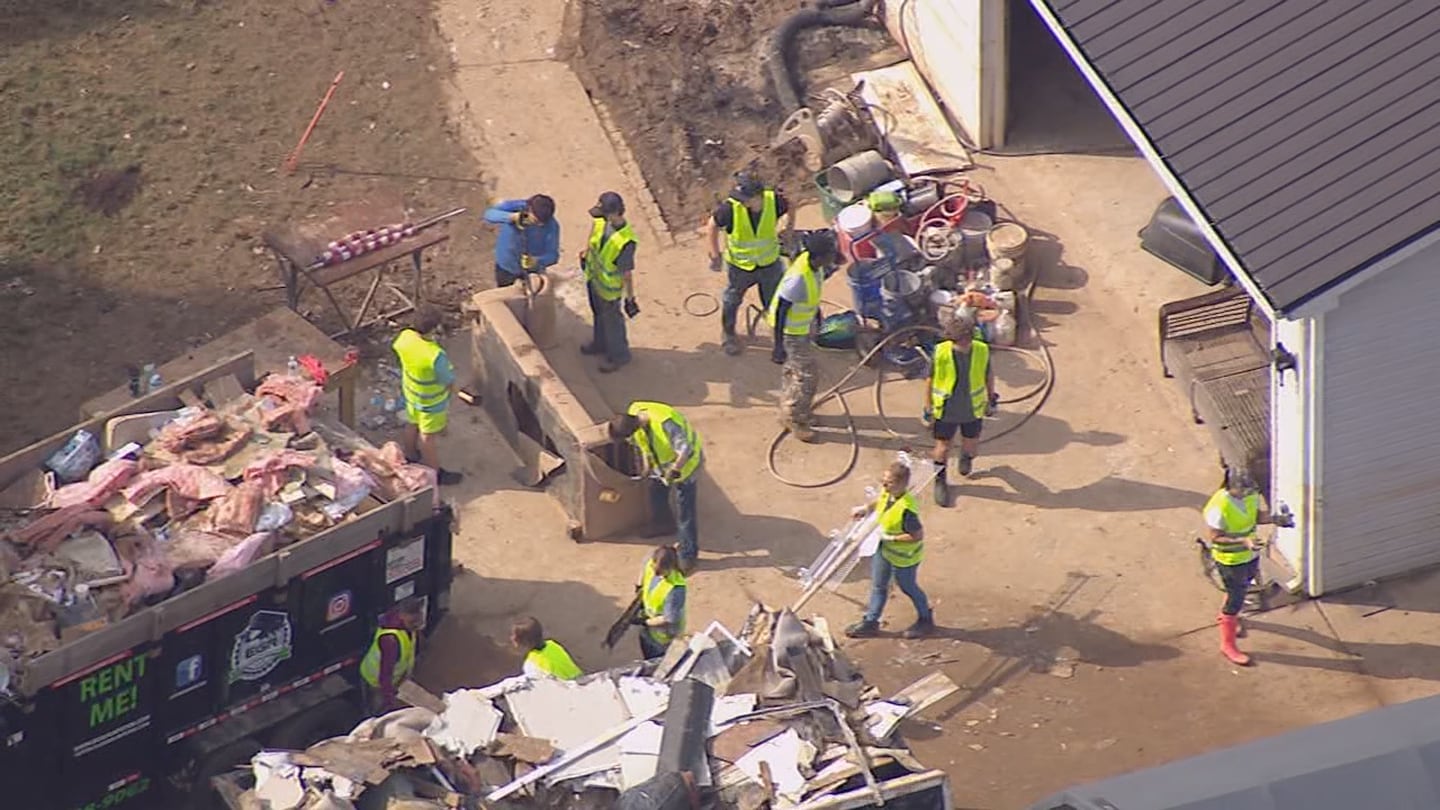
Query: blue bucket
[{"x": 864, "y": 278}]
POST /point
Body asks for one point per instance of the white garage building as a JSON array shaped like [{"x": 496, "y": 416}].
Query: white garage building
[{"x": 1304, "y": 137}]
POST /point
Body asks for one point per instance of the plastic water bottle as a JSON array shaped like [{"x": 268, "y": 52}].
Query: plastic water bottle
[
  {"x": 293, "y": 366},
  {"x": 150, "y": 377}
]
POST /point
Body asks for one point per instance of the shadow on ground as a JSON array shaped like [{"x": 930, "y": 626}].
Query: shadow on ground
[
  {"x": 1388, "y": 660},
  {"x": 1107, "y": 494}
]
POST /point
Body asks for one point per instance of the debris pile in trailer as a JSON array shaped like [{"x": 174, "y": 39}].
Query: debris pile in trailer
[
  {"x": 163, "y": 502},
  {"x": 776, "y": 717}
]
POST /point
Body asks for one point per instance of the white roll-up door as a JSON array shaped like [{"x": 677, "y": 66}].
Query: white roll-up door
[{"x": 1380, "y": 417}]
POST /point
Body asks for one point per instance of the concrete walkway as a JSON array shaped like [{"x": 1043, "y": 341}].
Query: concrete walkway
[{"x": 1074, "y": 612}]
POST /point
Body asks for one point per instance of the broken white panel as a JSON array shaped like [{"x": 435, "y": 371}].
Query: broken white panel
[
  {"x": 277, "y": 780},
  {"x": 784, "y": 754},
  {"x": 643, "y": 695},
  {"x": 469, "y": 722},
  {"x": 727, "y": 708},
  {"x": 640, "y": 753},
  {"x": 570, "y": 714},
  {"x": 882, "y": 716}
]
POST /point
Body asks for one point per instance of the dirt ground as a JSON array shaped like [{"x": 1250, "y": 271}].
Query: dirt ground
[
  {"x": 693, "y": 99},
  {"x": 139, "y": 165}
]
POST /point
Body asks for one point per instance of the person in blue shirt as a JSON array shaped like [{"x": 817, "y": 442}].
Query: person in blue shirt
[{"x": 529, "y": 239}]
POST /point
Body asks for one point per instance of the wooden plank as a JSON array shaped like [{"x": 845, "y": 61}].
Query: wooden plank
[
  {"x": 417, "y": 695},
  {"x": 272, "y": 338},
  {"x": 925, "y": 693},
  {"x": 913, "y": 123}
]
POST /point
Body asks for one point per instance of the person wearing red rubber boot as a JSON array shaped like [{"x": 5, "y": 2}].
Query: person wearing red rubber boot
[{"x": 1231, "y": 516}]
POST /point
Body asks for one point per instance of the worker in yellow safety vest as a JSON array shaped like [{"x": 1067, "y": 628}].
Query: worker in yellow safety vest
[
  {"x": 669, "y": 449},
  {"x": 544, "y": 658},
  {"x": 902, "y": 547},
  {"x": 609, "y": 263},
  {"x": 1231, "y": 516},
  {"x": 662, "y": 602},
  {"x": 960, "y": 395},
  {"x": 391, "y": 657},
  {"x": 750, "y": 218},
  {"x": 794, "y": 311},
  {"x": 427, "y": 380}
]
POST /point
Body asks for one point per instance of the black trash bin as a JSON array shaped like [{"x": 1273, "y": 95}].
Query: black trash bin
[{"x": 1173, "y": 237}]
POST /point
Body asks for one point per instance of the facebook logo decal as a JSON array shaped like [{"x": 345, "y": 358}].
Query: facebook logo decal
[{"x": 189, "y": 671}]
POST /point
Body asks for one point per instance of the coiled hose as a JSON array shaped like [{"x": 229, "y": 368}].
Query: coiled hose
[
  {"x": 777, "y": 48},
  {"x": 1040, "y": 393}
]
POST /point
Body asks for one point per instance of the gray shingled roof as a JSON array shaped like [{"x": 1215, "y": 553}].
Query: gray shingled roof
[
  {"x": 1385, "y": 759},
  {"x": 1308, "y": 131}
]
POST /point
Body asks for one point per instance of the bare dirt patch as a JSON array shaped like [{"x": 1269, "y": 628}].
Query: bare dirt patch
[
  {"x": 139, "y": 165},
  {"x": 685, "y": 83}
]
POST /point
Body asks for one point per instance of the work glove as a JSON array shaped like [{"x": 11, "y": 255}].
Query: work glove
[
  {"x": 632, "y": 308},
  {"x": 777, "y": 354},
  {"x": 1285, "y": 519},
  {"x": 993, "y": 406},
  {"x": 716, "y": 264},
  {"x": 527, "y": 262},
  {"x": 638, "y": 621},
  {"x": 927, "y": 416},
  {"x": 521, "y": 219},
  {"x": 672, "y": 476}
]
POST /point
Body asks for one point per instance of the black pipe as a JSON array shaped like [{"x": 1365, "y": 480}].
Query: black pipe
[{"x": 777, "y": 48}]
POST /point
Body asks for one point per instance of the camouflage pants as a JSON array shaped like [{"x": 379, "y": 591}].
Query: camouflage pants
[{"x": 798, "y": 380}]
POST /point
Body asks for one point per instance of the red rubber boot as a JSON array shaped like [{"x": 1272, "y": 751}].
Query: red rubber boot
[{"x": 1227, "y": 642}]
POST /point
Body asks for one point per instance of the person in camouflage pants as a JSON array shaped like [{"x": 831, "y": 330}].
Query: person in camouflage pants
[
  {"x": 793, "y": 313},
  {"x": 798, "y": 384}
]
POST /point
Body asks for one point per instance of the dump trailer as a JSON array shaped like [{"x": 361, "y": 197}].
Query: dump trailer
[
  {"x": 1386, "y": 759},
  {"x": 143, "y": 712}
]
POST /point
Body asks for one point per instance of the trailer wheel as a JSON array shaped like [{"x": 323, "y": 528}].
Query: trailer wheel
[
  {"x": 215, "y": 763},
  {"x": 333, "y": 718}
]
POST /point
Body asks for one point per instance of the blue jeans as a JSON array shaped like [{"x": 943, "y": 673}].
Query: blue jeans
[
  {"x": 686, "y": 530},
  {"x": 609, "y": 335},
  {"x": 650, "y": 649},
  {"x": 880, "y": 572}
]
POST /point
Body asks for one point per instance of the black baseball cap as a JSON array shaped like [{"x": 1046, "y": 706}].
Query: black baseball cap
[{"x": 609, "y": 203}]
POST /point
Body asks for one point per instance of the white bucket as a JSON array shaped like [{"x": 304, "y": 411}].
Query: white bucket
[{"x": 855, "y": 219}]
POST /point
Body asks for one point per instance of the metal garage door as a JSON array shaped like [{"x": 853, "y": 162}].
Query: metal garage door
[{"x": 1380, "y": 513}]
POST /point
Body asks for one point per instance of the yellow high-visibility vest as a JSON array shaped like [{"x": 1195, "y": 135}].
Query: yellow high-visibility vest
[
  {"x": 418, "y": 356},
  {"x": 654, "y": 589},
  {"x": 553, "y": 660},
  {"x": 1240, "y": 521},
  {"x": 600, "y": 258},
  {"x": 370, "y": 664},
  {"x": 654, "y": 442},
  {"x": 752, "y": 245},
  {"x": 944, "y": 377},
  {"x": 801, "y": 315},
  {"x": 891, "y": 512}
]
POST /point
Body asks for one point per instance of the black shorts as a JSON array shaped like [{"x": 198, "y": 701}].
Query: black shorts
[{"x": 945, "y": 431}]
